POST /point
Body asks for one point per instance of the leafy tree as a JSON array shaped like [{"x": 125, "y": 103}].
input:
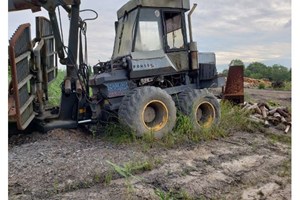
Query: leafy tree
[
  {"x": 257, "y": 70},
  {"x": 280, "y": 73},
  {"x": 237, "y": 62},
  {"x": 225, "y": 72},
  {"x": 275, "y": 73}
]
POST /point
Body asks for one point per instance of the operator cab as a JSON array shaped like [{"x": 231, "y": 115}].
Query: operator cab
[
  {"x": 152, "y": 36},
  {"x": 159, "y": 33}
]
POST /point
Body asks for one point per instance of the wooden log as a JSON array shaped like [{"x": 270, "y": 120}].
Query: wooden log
[
  {"x": 254, "y": 108},
  {"x": 282, "y": 113},
  {"x": 283, "y": 120},
  {"x": 264, "y": 111},
  {"x": 272, "y": 111},
  {"x": 263, "y": 104},
  {"x": 277, "y": 115},
  {"x": 245, "y": 103},
  {"x": 257, "y": 110},
  {"x": 285, "y": 109},
  {"x": 251, "y": 103},
  {"x": 273, "y": 120},
  {"x": 259, "y": 116},
  {"x": 266, "y": 123},
  {"x": 255, "y": 119},
  {"x": 288, "y": 127},
  {"x": 246, "y": 106}
]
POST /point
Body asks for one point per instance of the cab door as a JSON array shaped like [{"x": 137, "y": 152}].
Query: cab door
[{"x": 175, "y": 42}]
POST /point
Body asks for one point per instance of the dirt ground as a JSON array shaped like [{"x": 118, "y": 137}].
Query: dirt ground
[{"x": 72, "y": 164}]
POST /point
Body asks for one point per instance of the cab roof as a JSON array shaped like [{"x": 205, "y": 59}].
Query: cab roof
[{"x": 132, "y": 4}]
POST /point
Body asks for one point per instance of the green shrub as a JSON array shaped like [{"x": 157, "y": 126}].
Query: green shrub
[
  {"x": 261, "y": 86},
  {"x": 288, "y": 86}
]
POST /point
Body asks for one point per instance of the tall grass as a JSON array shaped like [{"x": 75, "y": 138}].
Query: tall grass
[
  {"x": 54, "y": 89},
  {"x": 232, "y": 119}
]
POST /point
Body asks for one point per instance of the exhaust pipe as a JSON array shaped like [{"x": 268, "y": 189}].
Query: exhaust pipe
[
  {"x": 190, "y": 22},
  {"x": 193, "y": 45}
]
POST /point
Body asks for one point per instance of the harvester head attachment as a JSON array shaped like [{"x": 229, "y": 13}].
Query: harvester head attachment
[
  {"x": 20, "y": 99},
  {"x": 15, "y": 5}
]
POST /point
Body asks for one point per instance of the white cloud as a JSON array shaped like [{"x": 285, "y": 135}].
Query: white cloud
[
  {"x": 254, "y": 53},
  {"x": 249, "y": 29}
]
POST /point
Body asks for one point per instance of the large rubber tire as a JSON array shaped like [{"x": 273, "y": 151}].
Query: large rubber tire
[
  {"x": 200, "y": 106},
  {"x": 148, "y": 110}
]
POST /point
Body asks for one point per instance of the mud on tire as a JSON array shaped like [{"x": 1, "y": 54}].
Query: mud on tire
[
  {"x": 200, "y": 106},
  {"x": 148, "y": 110}
]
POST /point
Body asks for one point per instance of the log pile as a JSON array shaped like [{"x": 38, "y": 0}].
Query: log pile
[{"x": 263, "y": 113}]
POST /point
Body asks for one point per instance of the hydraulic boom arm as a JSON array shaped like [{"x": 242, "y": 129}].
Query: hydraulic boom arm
[{"x": 72, "y": 7}]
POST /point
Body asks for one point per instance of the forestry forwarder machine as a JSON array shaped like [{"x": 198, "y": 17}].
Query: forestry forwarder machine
[{"x": 152, "y": 66}]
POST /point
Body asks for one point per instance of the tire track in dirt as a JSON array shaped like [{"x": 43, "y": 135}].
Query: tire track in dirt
[{"x": 241, "y": 171}]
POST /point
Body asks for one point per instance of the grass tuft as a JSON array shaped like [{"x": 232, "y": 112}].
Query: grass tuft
[
  {"x": 171, "y": 195},
  {"x": 232, "y": 119},
  {"x": 119, "y": 134}
]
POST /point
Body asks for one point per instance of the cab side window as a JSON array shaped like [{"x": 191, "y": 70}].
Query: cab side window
[{"x": 174, "y": 30}]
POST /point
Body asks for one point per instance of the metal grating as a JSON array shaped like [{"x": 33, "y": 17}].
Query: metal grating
[
  {"x": 20, "y": 50},
  {"x": 23, "y": 95},
  {"x": 26, "y": 114},
  {"x": 22, "y": 69},
  {"x": 48, "y": 54},
  {"x": 23, "y": 42}
]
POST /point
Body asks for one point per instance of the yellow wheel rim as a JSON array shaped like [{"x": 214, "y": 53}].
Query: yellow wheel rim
[
  {"x": 205, "y": 114},
  {"x": 155, "y": 115}
]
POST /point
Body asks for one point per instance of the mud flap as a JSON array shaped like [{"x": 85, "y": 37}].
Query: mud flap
[{"x": 20, "y": 99}]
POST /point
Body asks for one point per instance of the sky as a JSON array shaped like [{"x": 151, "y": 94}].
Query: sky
[{"x": 250, "y": 30}]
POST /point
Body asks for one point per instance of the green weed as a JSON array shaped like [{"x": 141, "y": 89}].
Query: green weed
[
  {"x": 172, "y": 195},
  {"x": 261, "y": 86},
  {"x": 163, "y": 195},
  {"x": 108, "y": 178},
  {"x": 56, "y": 186},
  {"x": 135, "y": 167},
  {"x": 273, "y": 103},
  {"x": 125, "y": 172},
  {"x": 184, "y": 125},
  {"x": 285, "y": 169},
  {"x": 288, "y": 86},
  {"x": 96, "y": 178},
  {"x": 285, "y": 139},
  {"x": 54, "y": 89},
  {"x": 233, "y": 118},
  {"x": 119, "y": 134}
]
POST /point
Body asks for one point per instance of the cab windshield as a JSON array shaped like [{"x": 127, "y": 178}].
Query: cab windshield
[{"x": 149, "y": 31}]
